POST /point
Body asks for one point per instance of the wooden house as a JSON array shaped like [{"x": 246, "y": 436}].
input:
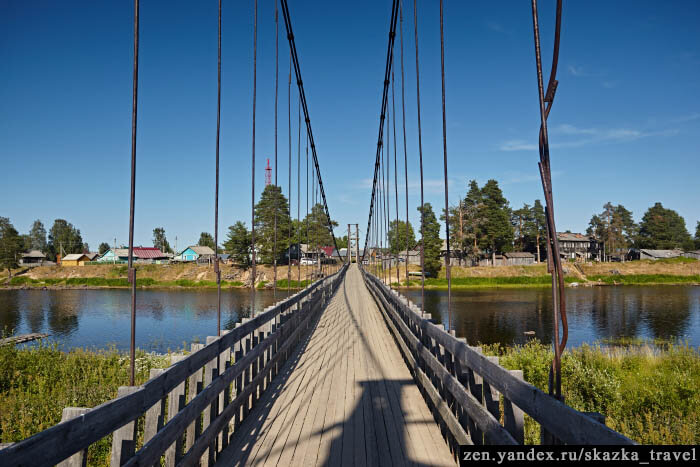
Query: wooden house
[
  {"x": 32, "y": 258},
  {"x": 75, "y": 259},
  {"x": 518, "y": 258}
]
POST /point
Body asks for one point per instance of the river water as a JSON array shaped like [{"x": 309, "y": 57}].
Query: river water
[{"x": 171, "y": 319}]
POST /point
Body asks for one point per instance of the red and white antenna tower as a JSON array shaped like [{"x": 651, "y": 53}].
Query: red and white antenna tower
[{"x": 268, "y": 173}]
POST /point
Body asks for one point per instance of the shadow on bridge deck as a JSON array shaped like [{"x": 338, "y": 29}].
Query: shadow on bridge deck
[{"x": 345, "y": 397}]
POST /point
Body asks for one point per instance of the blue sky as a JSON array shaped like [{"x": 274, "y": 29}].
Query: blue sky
[{"x": 624, "y": 127}]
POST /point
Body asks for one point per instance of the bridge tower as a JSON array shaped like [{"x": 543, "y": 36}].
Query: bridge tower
[{"x": 268, "y": 173}]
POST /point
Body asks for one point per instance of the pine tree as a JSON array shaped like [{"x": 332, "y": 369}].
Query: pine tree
[
  {"x": 239, "y": 244},
  {"x": 431, "y": 237},
  {"x": 37, "y": 236},
  {"x": 271, "y": 200},
  {"x": 663, "y": 229},
  {"x": 399, "y": 232},
  {"x": 10, "y": 245},
  {"x": 498, "y": 231}
]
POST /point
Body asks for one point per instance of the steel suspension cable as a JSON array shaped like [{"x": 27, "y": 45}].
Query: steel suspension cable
[
  {"x": 298, "y": 198},
  {"x": 420, "y": 158},
  {"x": 382, "y": 116},
  {"x": 252, "y": 175},
  {"x": 448, "y": 265},
  {"x": 396, "y": 182},
  {"x": 132, "y": 197},
  {"x": 217, "y": 271},
  {"x": 405, "y": 152},
  {"x": 300, "y": 85},
  {"x": 553, "y": 256},
  {"x": 289, "y": 182},
  {"x": 274, "y": 204}
]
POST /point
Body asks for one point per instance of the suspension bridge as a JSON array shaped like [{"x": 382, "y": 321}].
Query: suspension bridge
[{"x": 344, "y": 372}]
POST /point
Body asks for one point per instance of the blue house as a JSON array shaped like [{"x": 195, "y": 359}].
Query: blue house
[{"x": 195, "y": 253}]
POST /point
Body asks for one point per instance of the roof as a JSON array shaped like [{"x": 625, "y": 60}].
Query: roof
[
  {"x": 572, "y": 237},
  {"x": 662, "y": 253},
  {"x": 143, "y": 252},
  {"x": 224, "y": 256},
  {"x": 33, "y": 254},
  {"x": 92, "y": 255},
  {"x": 201, "y": 250},
  {"x": 73, "y": 257},
  {"x": 518, "y": 254}
]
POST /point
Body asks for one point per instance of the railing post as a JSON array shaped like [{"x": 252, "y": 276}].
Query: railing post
[
  {"x": 176, "y": 402},
  {"x": 513, "y": 419},
  {"x": 194, "y": 383},
  {"x": 79, "y": 459},
  {"x": 237, "y": 355},
  {"x": 124, "y": 439},
  {"x": 156, "y": 414},
  {"x": 211, "y": 372},
  {"x": 476, "y": 388}
]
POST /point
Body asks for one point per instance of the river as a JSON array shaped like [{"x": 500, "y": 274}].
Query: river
[{"x": 170, "y": 319}]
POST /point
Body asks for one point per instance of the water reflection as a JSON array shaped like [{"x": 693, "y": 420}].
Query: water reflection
[
  {"x": 504, "y": 315},
  {"x": 166, "y": 319}
]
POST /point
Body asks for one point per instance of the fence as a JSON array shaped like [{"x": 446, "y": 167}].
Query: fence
[
  {"x": 185, "y": 414},
  {"x": 474, "y": 399}
]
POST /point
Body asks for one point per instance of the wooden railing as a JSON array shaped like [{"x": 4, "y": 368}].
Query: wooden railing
[
  {"x": 189, "y": 410},
  {"x": 474, "y": 399}
]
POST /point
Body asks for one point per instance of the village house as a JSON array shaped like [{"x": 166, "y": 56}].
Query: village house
[
  {"x": 32, "y": 258},
  {"x": 195, "y": 253},
  {"x": 141, "y": 255},
  {"x": 518, "y": 258},
  {"x": 659, "y": 254},
  {"x": 75, "y": 259},
  {"x": 578, "y": 247}
]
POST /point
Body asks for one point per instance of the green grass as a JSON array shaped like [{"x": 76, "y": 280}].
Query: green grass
[
  {"x": 38, "y": 381},
  {"x": 119, "y": 282},
  {"x": 475, "y": 282},
  {"x": 282, "y": 284},
  {"x": 645, "y": 279},
  {"x": 649, "y": 395}
]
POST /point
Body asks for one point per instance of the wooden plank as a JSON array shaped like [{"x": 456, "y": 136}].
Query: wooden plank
[
  {"x": 22, "y": 338},
  {"x": 156, "y": 414},
  {"x": 79, "y": 459},
  {"x": 513, "y": 418},
  {"x": 176, "y": 401},
  {"x": 124, "y": 439}
]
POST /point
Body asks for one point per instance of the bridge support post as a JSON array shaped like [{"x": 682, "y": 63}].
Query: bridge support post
[
  {"x": 156, "y": 414},
  {"x": 513, "y": 416},
  {"x": 176, "y": 402},
  {"x": 79, "y": 459},
  {"x": 194, "y": 383},
  {"x": 124, "y": 439}
]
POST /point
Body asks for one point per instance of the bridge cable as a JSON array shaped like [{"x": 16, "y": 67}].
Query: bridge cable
[
  {"x": 132, "y": 198},
  {"x": 289, "y": 183},
  {"x": 252, "y": 199},
  {"x": 396, "y": 182},
  {"x": 217, "y": 271},
  {"x": 387, "y": 75},
  {"x": 274, "y": 204},
  {"x": 403, "y": 112},
  {"x": 553, "y": 256},
  {"x": 448, "y": 265},
  {"x": 298, "y": 196},
  {"x": 420, "y": 159},
  {"x": 300, "y": 85}
]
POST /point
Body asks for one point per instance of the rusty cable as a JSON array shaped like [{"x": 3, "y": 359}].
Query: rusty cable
[
  {"x": 403, "y": 112},
  {"x": 554, "y": 259},
  {"x": 396, "y": 180},
  {"x": 420, "y": 159},
  {"x": 252, "y": 199},
  {"x": 132, "y": 198},
  {"x": 448, "y": 265},
  {"x": 217, "y": 271},
  {"x": 274, "y": 203},
  {"x": 289, "y": 182}
]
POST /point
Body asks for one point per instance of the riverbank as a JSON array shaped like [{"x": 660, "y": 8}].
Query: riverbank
[
  {"x": 165, "y": 276},
  {"x": 677, "y": 271},
  {"x": 649, "y": 393}
]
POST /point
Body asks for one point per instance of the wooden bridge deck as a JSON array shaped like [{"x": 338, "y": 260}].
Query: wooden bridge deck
[{"x": 345, "y": 397}]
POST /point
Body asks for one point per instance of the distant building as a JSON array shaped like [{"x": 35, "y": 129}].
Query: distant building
[
  {"x": 659, "y": 254},
  {"x": 141, "y": 254},
  {"x": 93, "y": 256},
  {"x": 413, "y": 256},
  {"x": 195, "y": 253},
  {"x": 32, "y": 258},
  {"x": 75, "y": 259},
  {"x": 519, "y": 258},
  {"x": 578, "y": 247},
  {"x": 692, "y": 254}
]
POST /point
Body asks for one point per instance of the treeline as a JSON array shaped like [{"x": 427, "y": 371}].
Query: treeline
[{"x": 62, "y": 239}]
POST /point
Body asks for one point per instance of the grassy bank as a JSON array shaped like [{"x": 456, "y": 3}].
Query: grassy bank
[
  {"x": 37, "y": 382},
  {"x": 118, "y": 282},
  {"x": 479, "y": 282},
  {"x": 645, "y": 279},
  {"x": 650, "y": 394}
]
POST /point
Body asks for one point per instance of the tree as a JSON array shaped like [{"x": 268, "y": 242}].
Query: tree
[
  {"x": 342, "y": 241},
  {"x": 316, "y": 224},
  {"x": 37, "y": 236},
  {"x": 64, "y": 239},
  {"x": 697, "y": 235},
  {"x": 400, "y": 234},
  {"x": 663, "y": 229},
  {"x": 238, "y": 244},
  {"x": 10, "y": 245},
  {"x": 86, "y": 247},
  {"x": 272, "y": 200},
  {"x": 431, "y": 237},
  {"x": 615, "y": 227},
  {"x": 497, "y": 229},
  {"x": 206, "y": 239},
  {"x": 521, "y": 221},
  {"x": 536, "y": 230},
  {"x": 161, "y": 242},
  {"x": 103, "y": 248}
]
